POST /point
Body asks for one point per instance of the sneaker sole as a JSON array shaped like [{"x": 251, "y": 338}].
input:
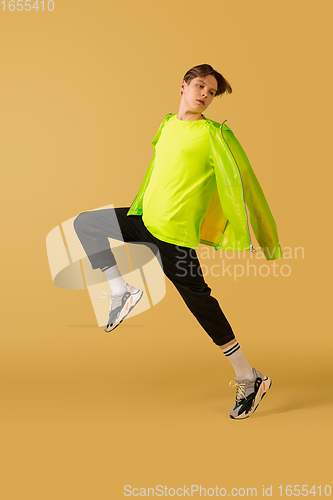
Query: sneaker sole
[
  {"x": 260, "y": 394},
  {"x": 127, "y": 312}
]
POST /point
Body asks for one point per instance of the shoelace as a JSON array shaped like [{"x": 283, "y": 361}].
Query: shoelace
[
  {"x": 108, "y": 296},
  {"x": 240, "y": 390}
]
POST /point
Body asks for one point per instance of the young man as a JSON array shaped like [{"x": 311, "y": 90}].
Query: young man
[{"x": 194, "y": 191}]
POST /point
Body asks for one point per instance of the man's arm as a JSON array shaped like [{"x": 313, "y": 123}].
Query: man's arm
[
  {"x": 136, "y": 207},
  {"x": 261, "y": 218}
]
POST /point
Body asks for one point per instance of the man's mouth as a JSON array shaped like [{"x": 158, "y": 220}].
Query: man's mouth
[{"x": 200, "y": 101}]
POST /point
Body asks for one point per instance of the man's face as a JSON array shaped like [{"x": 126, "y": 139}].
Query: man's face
[{"x": 199, "y": 93}]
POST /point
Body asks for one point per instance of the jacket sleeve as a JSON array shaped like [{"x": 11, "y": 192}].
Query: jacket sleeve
[
  {"x": 136, "y": 207},
  {"x": 261, "y": 218}
]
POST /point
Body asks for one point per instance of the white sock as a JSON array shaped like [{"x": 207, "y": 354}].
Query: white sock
[
  {"x": 117, "y": 284},
  {"x": 236, "y": 357}
]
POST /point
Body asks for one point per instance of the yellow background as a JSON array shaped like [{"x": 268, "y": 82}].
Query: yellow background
[{"x": 83, "y": 91}]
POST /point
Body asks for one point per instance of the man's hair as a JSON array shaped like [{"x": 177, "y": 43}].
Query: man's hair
[{"x": 205, "y": 70}]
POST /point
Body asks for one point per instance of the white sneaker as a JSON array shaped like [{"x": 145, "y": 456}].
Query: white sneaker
[{"x": 121, "y": 305}]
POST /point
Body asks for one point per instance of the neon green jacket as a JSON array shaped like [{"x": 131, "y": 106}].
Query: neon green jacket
[{"x": 226, "y": 224}]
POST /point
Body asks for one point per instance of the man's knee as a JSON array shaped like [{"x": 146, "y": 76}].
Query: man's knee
[
  {"x": 199, "y": 289},
  {"x": 80, "y": 221}
]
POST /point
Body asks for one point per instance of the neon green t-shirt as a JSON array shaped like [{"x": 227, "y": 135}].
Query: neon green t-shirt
[{"x": 182, "y": 183}]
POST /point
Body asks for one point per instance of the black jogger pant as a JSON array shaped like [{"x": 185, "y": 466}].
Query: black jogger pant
[{"x": 93, "y": 229}]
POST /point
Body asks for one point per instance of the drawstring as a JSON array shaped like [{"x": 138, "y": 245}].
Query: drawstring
[{"x": 252, "y": 249}]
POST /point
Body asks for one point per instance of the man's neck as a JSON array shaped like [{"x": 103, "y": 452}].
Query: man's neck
[{"x": 189, "y": 116}]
